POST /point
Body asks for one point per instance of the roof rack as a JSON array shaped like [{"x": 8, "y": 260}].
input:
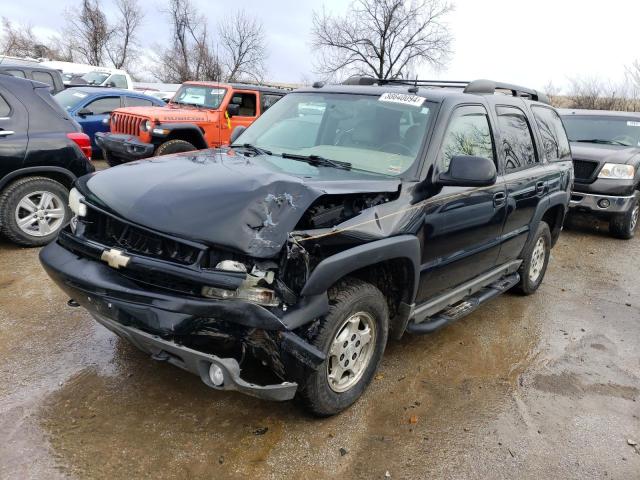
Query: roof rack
[{"x": 482, "y": 86}]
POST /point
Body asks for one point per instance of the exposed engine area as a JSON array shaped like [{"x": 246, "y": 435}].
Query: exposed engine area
[{"x": 330, "y": 210}]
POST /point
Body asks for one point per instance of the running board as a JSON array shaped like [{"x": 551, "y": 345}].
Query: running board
[{"x": 463, "y": 307}]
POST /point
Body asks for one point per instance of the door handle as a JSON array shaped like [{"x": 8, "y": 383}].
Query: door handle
[
  {"x": 540, "y": 188},
  {"x": 6, "y": 133},
  {"x": 499, "y": 199}
]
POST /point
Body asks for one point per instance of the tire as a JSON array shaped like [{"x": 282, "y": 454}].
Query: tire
[
  {"x": 13, "y": 202},
  {"x": 174, "y": 146},
  {"x": 365, "y": 305},
  {"x": 534, "y": 267},
  {"x": 110, "y": 159},
  {"x": 624, "y": 226}
]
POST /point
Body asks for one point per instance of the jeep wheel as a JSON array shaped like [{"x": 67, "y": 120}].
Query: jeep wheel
[
  {"x": 33, "y": 210},
  {"x": 624, "y": 225},
  {"x": 353, "y": 335},
  {"x": 535, "y": 260},
  {"x": 174, "y": 146}
]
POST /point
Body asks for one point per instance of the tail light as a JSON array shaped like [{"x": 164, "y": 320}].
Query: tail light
[{"x": 83, "y": 141}]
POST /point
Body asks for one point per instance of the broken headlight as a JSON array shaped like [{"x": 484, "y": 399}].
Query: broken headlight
[{"x": 249, "y": 289}]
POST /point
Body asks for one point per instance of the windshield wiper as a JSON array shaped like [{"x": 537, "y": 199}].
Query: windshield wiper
[
  {"x": 317, "y": 160},
  {"x": 253, "y": 148},
  {"x": 604, "y": 142}
]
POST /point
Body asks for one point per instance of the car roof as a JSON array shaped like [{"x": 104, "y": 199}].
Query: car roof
[
  {"x": 107, "y": 91},
  {"x": 243, "y": 86},
  {"x": 23, "y": 65},
  {"x": 599, "y": 113}
]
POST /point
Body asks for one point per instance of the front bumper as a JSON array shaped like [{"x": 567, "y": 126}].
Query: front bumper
[
  {"x": 598, "y": 204},
  {"x": 153, "y": 320},
  {"x": 199, "y": 363},
  {"x": 123, "y": 146}
]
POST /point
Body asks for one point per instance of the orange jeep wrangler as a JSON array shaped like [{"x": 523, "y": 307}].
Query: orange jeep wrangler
[{"x": 200, "y": 115}]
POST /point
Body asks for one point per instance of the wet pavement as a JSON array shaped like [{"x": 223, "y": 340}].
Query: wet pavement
[{"x": 525, "y": 387}]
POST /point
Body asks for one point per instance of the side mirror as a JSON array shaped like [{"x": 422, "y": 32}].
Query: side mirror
[
  {"x": 83, "y": 112},
  {"x": 236, "y": 133},
  {"x": 233, "y": 109},
  {"x": 469, "y": 171}
]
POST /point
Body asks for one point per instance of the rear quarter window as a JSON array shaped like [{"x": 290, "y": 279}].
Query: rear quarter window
[{"x": 554, "y": 138}]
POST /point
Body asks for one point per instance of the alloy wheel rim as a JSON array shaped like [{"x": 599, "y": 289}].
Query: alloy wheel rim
[
  {"x": 351, "y": 351},
  {"x": 634, "y": 217},
  {"x": 538, "y": 257},
  {"x": 40, "y": 213}
]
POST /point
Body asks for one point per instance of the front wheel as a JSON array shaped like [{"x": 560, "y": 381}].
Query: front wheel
[
  {"x": 33, "y": 210},
  {"x": 353, "y": 335},
  {"x": 624, "y": 226},
  {"x": 535, "y": 260},
  {"x": 174, "y": 146}
]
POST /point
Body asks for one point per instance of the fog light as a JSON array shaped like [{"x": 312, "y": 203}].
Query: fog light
[
  {"x": 216, "y": 375},
  {"x": 604, "y": 203}
]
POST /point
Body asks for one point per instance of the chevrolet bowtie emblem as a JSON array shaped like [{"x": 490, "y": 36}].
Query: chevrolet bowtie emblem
[{"x": 115, "y": 258}]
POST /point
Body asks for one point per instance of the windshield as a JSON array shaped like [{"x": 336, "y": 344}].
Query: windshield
[
  {"x": 68, "y": 99},
  {"x": 603, "y": 129},
  {"x": 95, "y": 78},
  {"x": 199, "y": 96},
  {"x": 380, "y": 134}
]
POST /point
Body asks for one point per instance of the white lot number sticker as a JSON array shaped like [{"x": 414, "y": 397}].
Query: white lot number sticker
[
  {"x": 403, "y": 98},
  {"x": 633, "y": 124}
]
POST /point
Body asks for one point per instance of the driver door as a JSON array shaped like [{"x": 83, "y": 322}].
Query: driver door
[
  {"x": 249, "y": 112},
  {"x": 463, "y": 225}
]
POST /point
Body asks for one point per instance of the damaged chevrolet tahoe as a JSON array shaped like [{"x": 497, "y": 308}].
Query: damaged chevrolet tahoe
[{"x": 280, "y": 265}]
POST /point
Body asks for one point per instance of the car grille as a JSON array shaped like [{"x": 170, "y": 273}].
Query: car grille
[
  {"x": 126, "y": 123},
  {"x": 107, "y": 230},
  {"x": 584, "y": 169}
]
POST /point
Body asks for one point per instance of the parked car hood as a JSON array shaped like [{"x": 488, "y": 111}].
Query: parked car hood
[
  {"x": 220, "y": 197},
  {"x": 168, "y": 113},
  {"x": 605, "y": 153}
]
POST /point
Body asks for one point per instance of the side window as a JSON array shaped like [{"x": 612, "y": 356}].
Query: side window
[
  {"x": 137, "y": 102},
  {"x": 44, "y": 77},
  {"x": 5, "y": 109},
  {"x": 468, "y": 133},
  {"x": 119, "y": 81},
  {"x": 247, "y": 103},
  {"x": 103, "y": 105},
  {"x": 16, "y": 73},
  {"x": 268, "y": 101},
  {"x": 554, "y": 138},
  {"x": 517, "y": 140}
]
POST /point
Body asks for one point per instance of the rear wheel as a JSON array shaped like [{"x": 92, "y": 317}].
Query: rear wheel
[
  {"x": 33, "y": 210},
  {"x": 535, "y": 260},
  {"x": 624, "y": 225},
  {"x": 353, "y": 335},
  {"x": 174, "y": 146}
]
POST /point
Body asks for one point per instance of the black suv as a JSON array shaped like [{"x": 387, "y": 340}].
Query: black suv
[
  {"x": 33, "y": 71},
  {"x": 606, "y": 157},
  {"x": 42, "y": 152},
  {"x": 279, "y": 265}
]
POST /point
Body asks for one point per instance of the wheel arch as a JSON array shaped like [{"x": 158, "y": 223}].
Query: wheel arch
[
  {"x": 184, "y": 131},
  {"x": 60, "y": 175}
]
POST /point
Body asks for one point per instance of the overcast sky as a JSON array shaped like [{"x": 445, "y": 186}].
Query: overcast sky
[{"x": 525, "y": 42}]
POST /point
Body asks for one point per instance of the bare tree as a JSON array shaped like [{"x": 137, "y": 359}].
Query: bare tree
[
  {"x": 88, "y": 32},
  {"x": 16, "y": 40},
  {"x": 190, "y": 55},
  {"x": 243, "y": 47},
  {"x": 383, "y": 38},
  {"x": 121, "y": 47},
  {"x": 596, "y": 94}
]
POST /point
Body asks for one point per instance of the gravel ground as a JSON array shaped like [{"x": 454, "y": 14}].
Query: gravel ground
[{"x": 545, "y": 386}]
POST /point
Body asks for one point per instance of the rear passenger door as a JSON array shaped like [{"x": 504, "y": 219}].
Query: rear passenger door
[
  {"x": 267, "y": 100},
  {"x": 523, "y": 174},
  {"x": 463, "y": 225},
  {"x": 13, "y": 132}
]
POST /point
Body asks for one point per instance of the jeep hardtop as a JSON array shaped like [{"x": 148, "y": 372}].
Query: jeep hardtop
[
  {"x": 200, "y": 115},
  {"x": 280, "y": 265}
]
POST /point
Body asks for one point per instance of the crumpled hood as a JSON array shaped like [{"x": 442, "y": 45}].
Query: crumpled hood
[
  {"x": 605, "y": 153},
  {"x": 248, "y": 204}
]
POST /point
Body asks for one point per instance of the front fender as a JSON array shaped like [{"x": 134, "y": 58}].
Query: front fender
[
  {"x": 337, "y": 266},
  {"x": 176, "y": 128}
]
